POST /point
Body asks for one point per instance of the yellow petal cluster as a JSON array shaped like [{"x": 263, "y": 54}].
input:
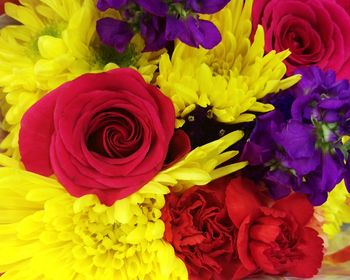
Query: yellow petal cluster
[
  {"x": 47, "y": 234},
  {"x": 232, "y": 77},
  {"x": 55, "y": 42},
  {"x": 335, "y": 211},
  {"x": 202, "y": 165}
]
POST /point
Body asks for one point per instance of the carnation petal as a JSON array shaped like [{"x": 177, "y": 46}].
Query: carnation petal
[
  {"x": 243, "y": 247},
  {"x": 242, "y": 200},
  {"x": 311, "y": 246},
  {"x": 258, "y": 250},
  {"x": 298, "y": 206}
]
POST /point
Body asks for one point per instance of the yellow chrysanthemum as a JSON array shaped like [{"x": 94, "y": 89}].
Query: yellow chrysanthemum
[
  {"x": 201, "y": 165},
  {"x": 46, "y": 234},
  {"x": 232, "y": 77},
  {"x": 336, "y": 210},
  {"x": 56, "y": 42}
]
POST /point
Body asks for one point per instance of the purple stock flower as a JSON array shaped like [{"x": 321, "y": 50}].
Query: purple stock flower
[
  {"x": 193, "y": 32},
  {"x": 115, "y": 33},
  {"x": 160, "y": 22},
  {"x": 320, "y": 97},
  {"x": 299, "y": 145},
  {"x": 115, "y": 4},
  {"x": 154, "y": 7},
  {"x": 298, "y": 141},
  {"x": 206, "y": 6},
  {"x": 153, "y": 28},
  {"x": 280, "y": 183}
]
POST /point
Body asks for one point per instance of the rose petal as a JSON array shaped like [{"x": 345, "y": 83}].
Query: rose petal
[
  {"x": 180, "y": 145},
  {"x": 37, "y": 126}
]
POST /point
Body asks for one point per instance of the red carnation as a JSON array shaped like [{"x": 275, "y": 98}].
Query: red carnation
[
  {"x": 276, "y": 239},
  {"x": 199, "y": 228},
  {"x": 226, "y": 230}
]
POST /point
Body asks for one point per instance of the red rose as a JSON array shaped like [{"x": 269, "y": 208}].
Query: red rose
[
  {"x": 105, "y": 134},
  {"x": 201, "y": 232},
  {"x": 274, "y": 240},
  {"x": 315, "y": 31}
]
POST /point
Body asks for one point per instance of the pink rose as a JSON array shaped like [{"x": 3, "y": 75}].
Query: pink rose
[
  {"x": 315, "y": 31},
  {"x": 105, "y": 134}
]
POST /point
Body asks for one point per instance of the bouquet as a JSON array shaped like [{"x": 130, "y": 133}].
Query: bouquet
[{"x": 174, "y": 139}]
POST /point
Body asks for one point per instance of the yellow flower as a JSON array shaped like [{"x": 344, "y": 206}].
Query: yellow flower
[
  {"x": 201, "y": 165},
  {"x": 230, "y": 78},
  {"x": 335, "y": 211},
  {"x": 47, "y": 234},
  {"x": 56, "y": 43}
]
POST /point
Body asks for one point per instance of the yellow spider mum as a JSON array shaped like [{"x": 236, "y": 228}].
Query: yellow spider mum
[
  {"x": 336, "y": 210},
  {"x": 201, "y": 165},
  {"x": 230, "y": 78},
  {"x": 47, "y": 234},
  {"x": 56, "y": 42}
]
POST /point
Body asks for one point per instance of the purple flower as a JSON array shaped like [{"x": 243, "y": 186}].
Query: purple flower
[
  {"x": 206, "y": 6},
  {"x": 279, "y": 182},
  {"x": 160, "y": 22},
  {"x": 298, "y": 146},
  {"x": 154, "y": 7},
  {"x": 115, "y": 4},
  {"x": 114, "y": 33},
  {"x": 193, "y": 32},
  {"x": 320, "y": 97},
  {"x": 153, "y": 28},
  {"x": 298, "y": 141}
]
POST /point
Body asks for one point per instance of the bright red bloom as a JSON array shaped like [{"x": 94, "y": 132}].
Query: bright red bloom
[
  {"x": 276, "y": 239},
  {"x": 106, "y": 134},
  {"x": 199, "y": 228}
]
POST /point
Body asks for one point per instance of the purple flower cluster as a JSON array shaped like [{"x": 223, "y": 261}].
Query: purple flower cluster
[
  {"x": 299, "y": 145},
  {"x": 159, "y": 22}
]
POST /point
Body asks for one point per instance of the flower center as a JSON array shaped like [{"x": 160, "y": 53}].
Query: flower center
[
  {"x": 221, "y": 65},
  {"x": 105, "y": 55},
  {"x": 51, "y": 30},
  {"x": 114, "y": 134},
  {"x": 202, "y": 127}
]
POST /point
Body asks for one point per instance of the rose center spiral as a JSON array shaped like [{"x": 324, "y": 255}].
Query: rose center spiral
[{"x": 114, "y": 134}]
